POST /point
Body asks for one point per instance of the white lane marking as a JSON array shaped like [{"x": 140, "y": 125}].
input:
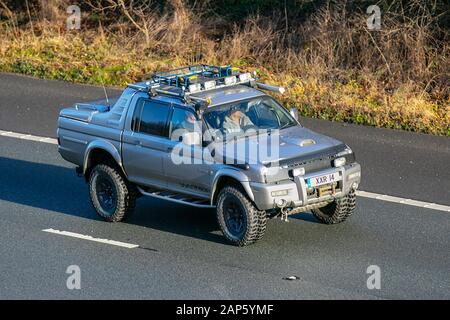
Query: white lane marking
[
  {"x": 365, "y": 194},
  {"x": 90, "y": 238},
  {"x": 28, "y": 137},
  {"x": 409, "y": 202}
]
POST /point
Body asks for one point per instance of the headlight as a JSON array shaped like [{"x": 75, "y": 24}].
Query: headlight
[
  {"x": 339, "y": 162},
  {"x": 345, "y": 152},
  {"x": 348, "y": 154},
  {"x": 298, "y": 172}
]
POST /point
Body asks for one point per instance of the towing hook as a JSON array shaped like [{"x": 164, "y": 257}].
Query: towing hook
[{"x": 282, "y": 206}]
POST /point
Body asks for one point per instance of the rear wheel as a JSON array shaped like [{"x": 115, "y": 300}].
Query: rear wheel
[
  {"x": 112, "y": 196},
  {"x": 240, "y": 221},
  {"x": 338, "y": 210}
]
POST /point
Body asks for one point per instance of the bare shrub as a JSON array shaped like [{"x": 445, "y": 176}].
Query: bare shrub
[{"x": 331, "y": 64}]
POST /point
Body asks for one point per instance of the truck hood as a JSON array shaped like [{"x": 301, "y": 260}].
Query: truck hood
[{"x": 280, "y": 146}]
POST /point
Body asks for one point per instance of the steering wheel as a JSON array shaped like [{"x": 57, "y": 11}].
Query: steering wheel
[{"x": 250, "y": 126}]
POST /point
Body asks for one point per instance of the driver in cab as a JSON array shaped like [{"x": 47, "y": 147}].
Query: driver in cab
[{"x": 236, "y": 121}]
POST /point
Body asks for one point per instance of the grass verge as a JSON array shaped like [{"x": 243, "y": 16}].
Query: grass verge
[{"x": 328, "y": 76}]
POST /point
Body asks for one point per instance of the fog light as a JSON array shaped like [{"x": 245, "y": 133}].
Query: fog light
[
  {"x": 279, "y": 193},
  {"x": 298, "y": 172},
  {"x": 354, "y": 175},
  {"x": 339, "y": 162}
]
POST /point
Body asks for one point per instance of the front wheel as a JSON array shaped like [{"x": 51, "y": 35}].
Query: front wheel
[
  {"x": 338, "y": 210},
  {"x": 240, "y": 221},
  {"x": 112, "y": 196}
]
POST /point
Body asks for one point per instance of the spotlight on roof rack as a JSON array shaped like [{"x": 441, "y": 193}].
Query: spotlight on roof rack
[
  {"x": 209, "y": 84},
  {"x": 230, "y": 80},
  {"x": 193, "y": 88},
  {"x": 244, "y": 77}
]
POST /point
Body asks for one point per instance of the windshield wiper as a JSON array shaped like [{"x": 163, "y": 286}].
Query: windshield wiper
[{"x": 287, "y": 125}]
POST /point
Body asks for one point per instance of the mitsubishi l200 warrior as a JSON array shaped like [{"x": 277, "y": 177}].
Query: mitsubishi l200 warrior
[{"x": 209, "y": 137}]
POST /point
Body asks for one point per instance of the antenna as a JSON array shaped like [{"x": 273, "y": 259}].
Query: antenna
[
  {"x": 106, "y": 94},
  {"x": 103, "y": 84}
]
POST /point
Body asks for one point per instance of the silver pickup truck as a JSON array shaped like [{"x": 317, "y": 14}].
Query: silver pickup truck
[{"x": 209, "y": 137}]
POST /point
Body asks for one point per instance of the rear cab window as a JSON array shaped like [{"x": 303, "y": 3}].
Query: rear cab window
[{"x": 151, "y": 117}]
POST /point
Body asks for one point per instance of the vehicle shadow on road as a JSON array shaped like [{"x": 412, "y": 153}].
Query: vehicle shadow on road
[
  {"x": 305, "y": 216},
  {"x": 56, "y": 188}
]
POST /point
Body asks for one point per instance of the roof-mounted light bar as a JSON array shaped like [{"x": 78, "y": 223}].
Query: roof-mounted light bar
[{"x": 197, "y": 78}]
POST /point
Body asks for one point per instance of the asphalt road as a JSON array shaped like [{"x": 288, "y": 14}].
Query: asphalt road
[
  {"x": 394, "y": 162},
  {"x": 182, "y": 254}
]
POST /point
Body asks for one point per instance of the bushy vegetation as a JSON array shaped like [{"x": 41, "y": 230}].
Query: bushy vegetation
[{"x": 331, "y": 64}]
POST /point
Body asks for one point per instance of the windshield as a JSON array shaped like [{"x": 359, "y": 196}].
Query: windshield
[{"x": 237, "y": 118}]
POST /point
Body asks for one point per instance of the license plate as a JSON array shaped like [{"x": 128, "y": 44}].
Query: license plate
[{"x": 323, "y": 179}]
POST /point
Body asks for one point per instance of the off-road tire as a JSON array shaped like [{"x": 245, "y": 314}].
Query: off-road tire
[
  {"x": 337, "y": 211},
  {"x": 255, "y": 220},
  {"x": 126, "y": 193},
  {"x": 262, "y": 215}
]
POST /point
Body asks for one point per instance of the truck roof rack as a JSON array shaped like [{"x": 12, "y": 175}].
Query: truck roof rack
[
  {"x": 197, "y": 74},
  {"x": 185, "y": 81}
]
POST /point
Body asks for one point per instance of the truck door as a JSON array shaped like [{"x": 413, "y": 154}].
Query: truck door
[
  {"x": 186, "y": 171},
  {"x": 145, "y": 143}
]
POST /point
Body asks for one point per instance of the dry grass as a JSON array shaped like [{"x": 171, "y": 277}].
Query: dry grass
[{"x": 333, "y": 67}]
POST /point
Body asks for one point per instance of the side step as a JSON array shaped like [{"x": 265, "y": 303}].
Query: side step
[{"x": 176, "y": 197}]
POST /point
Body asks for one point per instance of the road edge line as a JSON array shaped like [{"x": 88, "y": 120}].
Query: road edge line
[{"x": 409, "y": 202}]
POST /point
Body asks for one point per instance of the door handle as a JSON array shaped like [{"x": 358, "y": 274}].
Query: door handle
[{"x": 138, "y": 143}]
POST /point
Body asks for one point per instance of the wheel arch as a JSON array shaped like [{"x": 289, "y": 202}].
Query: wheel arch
[
  {"x": 100, "y": 151},
  {"x": 230, "y": 177}
]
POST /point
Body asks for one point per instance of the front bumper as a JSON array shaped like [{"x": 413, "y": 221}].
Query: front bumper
[{"x": 297, "y": 190}]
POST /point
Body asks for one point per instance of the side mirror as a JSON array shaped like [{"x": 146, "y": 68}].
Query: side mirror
[
  {"x": 294, "y": 113},
  {"x": 192, "y": 139}
]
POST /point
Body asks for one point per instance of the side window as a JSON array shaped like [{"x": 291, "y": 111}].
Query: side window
[
  {"x": 182, "y": 121},
  {"x": 153, "y": 118},
  {"x": 253, "y": 115}
]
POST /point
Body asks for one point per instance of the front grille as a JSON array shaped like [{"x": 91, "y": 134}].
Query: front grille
[
  {"x": 311, "y": 165},
  {"x": 316, "y": 165},
  {"x": 316, "y": 161}
]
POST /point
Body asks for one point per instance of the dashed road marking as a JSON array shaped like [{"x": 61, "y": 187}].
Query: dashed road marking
[
  {"x": 28, "y": 137},
  {"x": 90, "y": 238},
  {"x": 365, "y": 194}
]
